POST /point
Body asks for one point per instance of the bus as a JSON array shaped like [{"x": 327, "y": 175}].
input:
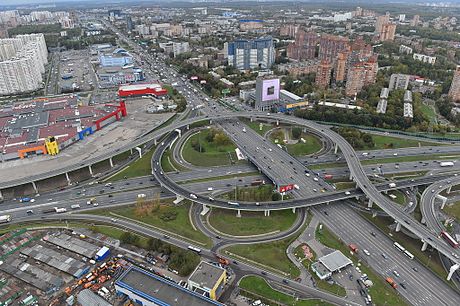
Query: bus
[
  {"x": 192, "y": 248},
  {"x": 234, "y": 203},
  {"x": 408, "y": 254},
  {"x": 447, "y": 237},
  {"x": 399, "y": 247}
]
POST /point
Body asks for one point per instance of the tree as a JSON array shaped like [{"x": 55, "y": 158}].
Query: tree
[
  {"x": 221, "y": 139},
  {"x": 296, "y": 132},
  {"x": 128, "y": 238}
]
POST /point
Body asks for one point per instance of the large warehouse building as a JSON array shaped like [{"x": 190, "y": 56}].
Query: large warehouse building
[
  {"x": 134, "y": 90},
  {"x": 148, "y": 289}
]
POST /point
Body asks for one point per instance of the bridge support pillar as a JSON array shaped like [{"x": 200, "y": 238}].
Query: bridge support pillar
[
  {"x": 210, "y": 121},
  {"x": 374, "y": 214},
  {"x": 35, "y": 187},
  {"x": 293, "y": 210},
  {"x": 155, "y": 142},
  {"x": 449, "y": 189},
  {"x": 251, "y": 119},
  {"x": 336, "y": 147},
  {"x": 67, "y": 178},
  {"x": 444, "y": 201},
  {"x": 267, "y": 213},
  {"x": 178, "y": 132},
  {"x": 131, "y": 151},
  {"x": 423, "y": 221},
  {"x": 188, "y": 126},
  {"x": 90, "y": 170},
  {"x": 351, "y": 177},
  {"x": 111, "y": 162},
  {"x": 424, "y": 246},
  {"x": 140, "y": 151},
  {"x": 357, "y": 198},
  {"x": 452, "y": 270},
  {"x": 277, "y": 122},
  {"x": 238, "y": 214},
  {"x": 398, "y": 227},
  {"x": 1, "y": 195},
  {"x": 369, "y": 204}
]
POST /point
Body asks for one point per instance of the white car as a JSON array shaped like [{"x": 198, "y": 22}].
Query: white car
[
  {"x": 367, "y": 252},
  {"x": 315, "y": 179},
  {"x": 193, "y": 196},
  {"x": 210, "y": 189},
  {"x": 347, "y": 192}
]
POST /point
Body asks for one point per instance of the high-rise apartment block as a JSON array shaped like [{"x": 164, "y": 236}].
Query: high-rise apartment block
[
  {"x": 330, "y": 46},
  {"x": 454, "y": 91},
  {"x": 251, "y": 54},
  {"x": 22, "y": 62},
  {"x": 384, "y": 28},
  {"x": 341, "y": 67},
  {"x": 304, "y": 47},
  {"x": 360, "y": 75},
  {"x": 415, "y": 21},
  {"x": 323, "y": 74}
]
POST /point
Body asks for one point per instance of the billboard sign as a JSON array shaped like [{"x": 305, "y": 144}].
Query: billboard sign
[
  {"x": 286, "y": 188},
  {"x": 271, "y": 90}
]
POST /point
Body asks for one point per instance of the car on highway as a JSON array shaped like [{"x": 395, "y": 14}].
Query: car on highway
[
  {"x": 193, "y": 196},
  {"x": 366, "y": 252},
  {"x": 30, "y": 212},
  {"x": 396, "y": 273},
  {"x": 347, "y": 192},
  {"x": 384, "y": 256}
]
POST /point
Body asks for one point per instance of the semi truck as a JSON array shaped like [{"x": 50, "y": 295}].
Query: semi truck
[
  {"x": 257, "y": 182},
  {"x": 353, "y": 247},
  {"x": 391, "y": 282},
  {"x": 54, "y": 210},
  {"x": 446, "y": 164}
]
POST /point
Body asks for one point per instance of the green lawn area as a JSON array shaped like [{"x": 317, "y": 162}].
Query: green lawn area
[
  {"x": 453, "y": 210},
  {"x": 270, "y": 254},
  {"x": 381, "y": 292},
  {"x": 388, "y": 142},
  {"x": 322, "y": 284},
  {"x": 214, "y": 178},
  {"x": 429, "y": 112},
  {"x": 251, "y": 222},
  {"x": 429, "y": 258},
  {"x": 171, "y": 218},
  {"x": 139, "y": 167},
  {"x": 256, "y": 126},
  {"x": 260, "y": 193},
  {"x": 213, "y": 154},
  {"x": 312, "y": 145},
  {"x": 260, "y": 289},
  {"x": 400, "y": 197},
  {"x": 169, "y": 164},
  {"x": 344, "y": 185}
]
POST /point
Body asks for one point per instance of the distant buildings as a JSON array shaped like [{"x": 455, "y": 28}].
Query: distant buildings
[
  {"x": 415, "y": 21},
  {"x": 454, "y": 91},
  {"x": 384, "y": 28},
  {"x": 251, "y": 54},
  {"x": 330, "y": 46},
  {"x": 323, "y": 74},
  {"x": 424, "y": 58},
  {"x": 22, "y": 63},
  {"x": 175, "y": 48},
  {"x": 304, "y": 47},
  {"x": 297, "y": 68},
  {"x": 405, "y": 49},
  {"x": 118, "y": 58},
  {"x": 360, "y": 75},
  {"x": 251, "y": 24},
  {"x": 399, "y": 81}
]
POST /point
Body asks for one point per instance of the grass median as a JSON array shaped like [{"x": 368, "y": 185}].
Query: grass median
[
  {"x": 171, "y": 218},
  {"x": 139, "y": 167},
  {"x": 251, "y": 222},
  {"x": 199, "y": 151},
  {"x": 257, "y": 288}
]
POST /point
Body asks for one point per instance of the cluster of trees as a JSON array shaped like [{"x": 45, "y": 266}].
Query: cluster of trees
[
  {"x": 183, "y": 261},
  {"x": 429, "y": 33},
  {"x": 177, "y": 98},
  {"x": 296, "y": 132},
  {"x": 445, "y": 109},
  {"x": 305, "y": 86},
  {"x": 213, "y": 136},
  {"x": 359, "y": 140},
  {"x": 168, "y": 216},
  {"x": 260, "y": 193}
]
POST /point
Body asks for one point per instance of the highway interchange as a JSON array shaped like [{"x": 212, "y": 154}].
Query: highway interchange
[{"x": 267, "y": 158}]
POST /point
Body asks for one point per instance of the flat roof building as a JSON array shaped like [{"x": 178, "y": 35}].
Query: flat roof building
[
  {"x": 208, "y": 278},
  {"x": 149, "y": 289},
  {"x": 330, "y": 263}
]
